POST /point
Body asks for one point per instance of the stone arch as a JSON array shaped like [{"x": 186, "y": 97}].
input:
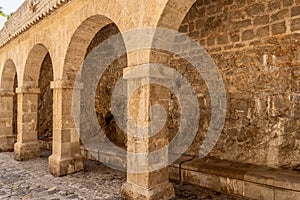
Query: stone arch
[
  {"x": 32, "y": 107},
  {"x": 105, "y": 86},
  {"x": 174, "y": 13},
  {"x": 92, "y": 32},
  {"x": 8, "y": 106},
  {"x": 33, "y": 65},
  {"x": 80, "y": 42},
  {"x": 67, "y": 143},
  {"x": 8, "y": 76}
]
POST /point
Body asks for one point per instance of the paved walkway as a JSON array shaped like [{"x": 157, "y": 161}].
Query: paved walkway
[{"x": 30, "y": 180}]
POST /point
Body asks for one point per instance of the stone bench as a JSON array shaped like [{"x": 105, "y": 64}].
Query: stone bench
[
  {"x": 245, "y": 180},
  {"x": 251, "y": 181}
]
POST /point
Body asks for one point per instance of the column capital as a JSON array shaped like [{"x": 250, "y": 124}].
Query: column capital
[
  {"x": 28, "y": 90},
  {"x": 65, "y": 84},
  {"x": 6, "y": 93}
]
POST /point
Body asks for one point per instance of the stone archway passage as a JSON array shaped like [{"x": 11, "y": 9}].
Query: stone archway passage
[
  {"x": 45, "y": 104},
  {"x": 7, "y": 106},
  {"x": 27, "y": 145},
  {"x": 105, "y": 87},
  {"x": 66, "y": 157}
]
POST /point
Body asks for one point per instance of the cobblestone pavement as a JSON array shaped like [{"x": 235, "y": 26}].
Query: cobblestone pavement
[{"x": 31, "y": 180}]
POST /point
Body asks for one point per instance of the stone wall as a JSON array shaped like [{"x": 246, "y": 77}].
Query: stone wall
[
  {"x": 15, "y": 108},
  {"x": 105, "y": 88},
  {"x": 28, "y": 14},
  {"x": 255, "y": 45},
  {"x": 45, "y": 109}
]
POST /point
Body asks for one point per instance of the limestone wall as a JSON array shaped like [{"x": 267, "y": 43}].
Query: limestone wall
[
  {"x": 45, "y": 109},
  {"x": 29, "y": 13},
  {"x": 255, "y": 45},
  {"x": 104, "y": 89}
]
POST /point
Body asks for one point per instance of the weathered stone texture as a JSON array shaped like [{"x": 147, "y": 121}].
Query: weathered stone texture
[
  {"x": 254, "y": 44},
  {"x": 45, "y": 109},
  {"x": 23, "y": 16},
  {"x": 104, "y": 89},
  {"x": 260, "y": 75}
]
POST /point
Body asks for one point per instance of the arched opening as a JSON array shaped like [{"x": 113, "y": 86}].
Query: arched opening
[
  {"x": 106, "y": 85},
  {"x": 92, "y": 33},
  {"x": 79, "y": 44},
  {"x": 66, "y": 140},
  {"x": 35, "y": 98},
  {"x": 9, "y": 83},
  {"x": 45, "y": 105}
]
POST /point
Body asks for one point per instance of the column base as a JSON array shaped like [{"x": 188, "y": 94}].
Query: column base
[
  {"x": 26, "y": 151},
  {"x": 59, "y": 166},
  {"x": 7, "y": 143},
  {"x": 163, "y": 191}
]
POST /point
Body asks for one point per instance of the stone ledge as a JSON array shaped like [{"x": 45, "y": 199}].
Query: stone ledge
[
  {"x": 61, "y": 166},
  {"x": 163, "y": 191},
  {"x": 7, "y": 143},
  {"x": 245, "y": 180},
  {"x": 106, "y": 155},
  {"x": 256, "y": 182},
  {"x": 26, "y": 151}
]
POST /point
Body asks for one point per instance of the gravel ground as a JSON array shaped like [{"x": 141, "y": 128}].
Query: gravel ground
[{"x": 31, "y": 180}]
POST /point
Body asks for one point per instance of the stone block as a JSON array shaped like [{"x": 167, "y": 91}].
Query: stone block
[
  {"x": 26, "y": 151},
  {"x": 6, "y": 130},
  {"x": 282, "y": 14},
  {"x": 295, "y": 25},
  {"x": 255, "y": 9},
  {"x": 263, "y": 32},
  {"x": 256, "y": 191},
  {"x": 163, "y": 191},
  {"x": 295, "y": 11},
  {"x": 261, "y": 20},
  {"x": 232, "y": 186},
  {"x": 248, "y": 35},
  {"x": 7, "y": 143},
  {"x": 278, "y": 28},
  {"x": 60, "y": 166},
  {"x": 286, "y": 194},
  {"x": 210, "y": 181},
  {"x": 190, "y": 176}
]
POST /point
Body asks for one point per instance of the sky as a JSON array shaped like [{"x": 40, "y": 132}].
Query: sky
[{"x": 9, "y": 6}]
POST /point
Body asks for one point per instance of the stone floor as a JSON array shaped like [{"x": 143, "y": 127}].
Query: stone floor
[{"x": 30, "y": 180}]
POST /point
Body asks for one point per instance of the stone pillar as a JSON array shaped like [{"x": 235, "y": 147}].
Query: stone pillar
[
  {"x": 143, "y": 182},
  {"x": 7, "y": 138},
  {"x": 66, "y": 157},
  {"x": 27, "y": 146}
]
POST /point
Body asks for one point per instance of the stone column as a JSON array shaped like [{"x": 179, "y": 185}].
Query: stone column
[
  {"x": 147, "y": 176},
  {"x": 27, "y": 146},
  {"x": 7, "y": 138},
  {"x": 66, "y": 157}
]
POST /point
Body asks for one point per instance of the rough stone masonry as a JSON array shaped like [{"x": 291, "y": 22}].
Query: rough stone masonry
[{"x": 255, "y": 45}]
